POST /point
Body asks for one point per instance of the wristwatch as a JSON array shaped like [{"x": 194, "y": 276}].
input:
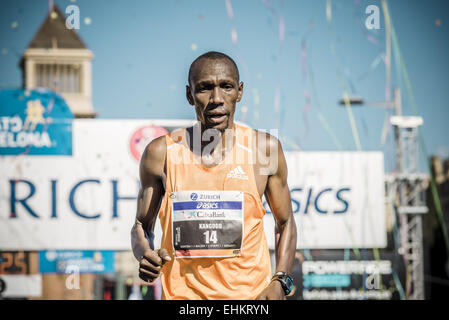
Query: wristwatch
[{"x": 285, "y": 280}]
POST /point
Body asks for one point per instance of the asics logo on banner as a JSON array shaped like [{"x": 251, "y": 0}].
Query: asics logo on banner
[
  {"x": 207, "y": 205},
  {"x": 193, "y": 196},
  {"x": 237, "y": 173}
]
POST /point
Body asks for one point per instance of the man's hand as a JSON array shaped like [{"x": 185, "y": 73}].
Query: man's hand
[
  {"x": 274, "y": 291},
  {"x": 151, "y": 263}
]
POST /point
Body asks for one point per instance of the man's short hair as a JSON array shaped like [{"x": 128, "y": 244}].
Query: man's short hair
[{"x": 212, "y": 55}]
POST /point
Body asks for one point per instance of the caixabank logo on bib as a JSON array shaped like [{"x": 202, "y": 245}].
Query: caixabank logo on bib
[{"x": 34, "y": 122}]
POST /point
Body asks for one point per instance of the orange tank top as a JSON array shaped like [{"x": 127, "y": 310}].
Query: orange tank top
[{"x": 212, "y": 223}]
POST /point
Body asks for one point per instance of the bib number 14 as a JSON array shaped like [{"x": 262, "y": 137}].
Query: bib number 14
[
  {"x": 207, "y": 224},
  {"x": 210, "y": 236}
]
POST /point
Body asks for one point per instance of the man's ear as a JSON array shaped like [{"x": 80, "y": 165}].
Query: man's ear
[
  {"x": 240, "y": 93},
  {"x": 189, "y": 96}
]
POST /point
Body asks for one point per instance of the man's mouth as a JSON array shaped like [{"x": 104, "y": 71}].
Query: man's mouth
[{"x": 216, "y": 118}]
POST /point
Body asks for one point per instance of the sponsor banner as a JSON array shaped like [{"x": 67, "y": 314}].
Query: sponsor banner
[
  {"x": 34, "y": 122},
  {"x": 18, "y": 262},
  {"x": 79, "y": 261},
  {"x": 329, "y": 275},
  {"x": 86, "y": 201},
  {"x": 20, "y": 286},
  {"x": 338, "y": 200},
  {"x": 19, "y": 276},
  {"x": 142, "y": 136}
]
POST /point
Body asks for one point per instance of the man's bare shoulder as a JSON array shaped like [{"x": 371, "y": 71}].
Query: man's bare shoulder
[
  {"x": 269, "y": 154},
  {"x": 153, "y": 157},
  {"x": 265, "y": 142}
]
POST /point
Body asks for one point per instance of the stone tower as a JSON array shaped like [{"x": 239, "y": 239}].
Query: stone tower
[{"x": 59, "y": 60}]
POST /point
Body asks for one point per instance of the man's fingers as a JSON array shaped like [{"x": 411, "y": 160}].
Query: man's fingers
[
  {"x": 152, "y": 257},
  {"x": 164, "y": 255},
  {"x": 151, "y": 264},
  {"x": 148, "y": 273},
  {"x": 148, "y": 265}
]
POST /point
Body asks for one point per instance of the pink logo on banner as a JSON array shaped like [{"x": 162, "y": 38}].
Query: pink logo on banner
[{"x": 142, "y": 137}]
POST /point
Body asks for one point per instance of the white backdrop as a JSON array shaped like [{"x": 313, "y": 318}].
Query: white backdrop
[
  {"x": 101, "y": 154},
  {"x": 101, "y": 151},
  {"x": 357, "y": 178}
]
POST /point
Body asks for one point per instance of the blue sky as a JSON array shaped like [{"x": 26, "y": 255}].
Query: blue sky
[{"x": 143, "y": 50}]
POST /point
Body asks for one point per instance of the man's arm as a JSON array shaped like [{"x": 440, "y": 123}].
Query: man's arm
[
  {"x": 152, "y": 179},
  {"x": 277, "y": 194}
]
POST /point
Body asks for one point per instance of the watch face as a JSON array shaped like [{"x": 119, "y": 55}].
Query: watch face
[
  {"x": 289, "y": 283},
  {"x": 286, "y": 281}
]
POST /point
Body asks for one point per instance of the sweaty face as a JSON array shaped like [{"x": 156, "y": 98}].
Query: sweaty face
[{"x": 214, "y": 91}]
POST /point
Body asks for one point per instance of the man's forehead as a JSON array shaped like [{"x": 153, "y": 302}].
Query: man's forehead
[{"x": 211, "y": 69}]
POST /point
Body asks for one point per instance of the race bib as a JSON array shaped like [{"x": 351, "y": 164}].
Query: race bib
[{"x": 207, "y": 223}]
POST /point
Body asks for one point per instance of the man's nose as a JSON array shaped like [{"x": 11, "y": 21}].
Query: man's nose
[{"x": 216, "y": 97}]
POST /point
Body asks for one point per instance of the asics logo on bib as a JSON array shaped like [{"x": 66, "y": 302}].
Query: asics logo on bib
[
  {"x": 207, "y": 205},
  {"x": 237, "y": 173}
]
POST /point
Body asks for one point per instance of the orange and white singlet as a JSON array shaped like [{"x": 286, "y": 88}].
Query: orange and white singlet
[{"x": 212, "y": 222}]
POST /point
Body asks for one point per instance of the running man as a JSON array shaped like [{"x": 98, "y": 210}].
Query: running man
[{"x": 206, "y": 183}]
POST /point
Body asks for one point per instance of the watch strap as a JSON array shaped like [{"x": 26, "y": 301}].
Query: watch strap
[{"x": 285, "y": 280}]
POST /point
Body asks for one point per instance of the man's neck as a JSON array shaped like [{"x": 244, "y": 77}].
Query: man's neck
[{"x": 211, "y": 145}]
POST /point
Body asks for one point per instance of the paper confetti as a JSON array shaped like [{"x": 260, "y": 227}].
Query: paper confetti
[
  {"x": 229, "y": 9},
  {"x": 256, "y": 97},
  {"x": 277, "y": 97},
  {"x": 305, "y": 109},
  {"x": 329, "y": 11},
  {"x": 234, "y": 36},
  {"x": 278, "y": 17},
  {"x": 281, "y": 29}
]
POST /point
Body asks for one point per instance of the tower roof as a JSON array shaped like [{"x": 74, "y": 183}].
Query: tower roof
[{"x": 54, "y": 33}]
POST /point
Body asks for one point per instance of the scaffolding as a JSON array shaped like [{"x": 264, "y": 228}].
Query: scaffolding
[{"x": 408, "y": 186}]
